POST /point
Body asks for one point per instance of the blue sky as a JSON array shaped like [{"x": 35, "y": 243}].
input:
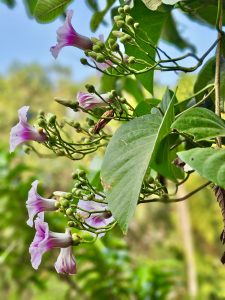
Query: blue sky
[{"x": 26, "y": 41}]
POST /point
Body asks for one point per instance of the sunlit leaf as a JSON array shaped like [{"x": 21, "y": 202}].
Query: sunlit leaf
[
  {"x": 208, "y": 162},
  {"x": 48, "y": 10},
  {"x": 201, "y": 123},
  {"x": 126, "y": 160}
]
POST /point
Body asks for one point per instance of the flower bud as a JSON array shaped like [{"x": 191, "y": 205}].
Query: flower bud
[
  {"x": 129, "y": 20},
  {"x": 125, "y": 38},
  {"x": 76, "y": 239},
  {"x": 68, "y": 196},
  {"x": 114, "y": 93},
  {"x": 90, "y": 122},
  {"x": 83, "y": 61},
  {"x": 51, "y": 118},
  {"x": 97, "y": 48},
  {"x": 117, "y": 18},
  {"x": 121, "y": 10},
  {"x": 92, "y": 54},
  {"x": 101, "y": 44},
  {"x": 71, "y": 224},
  {"x": 76, "y": 125},
  {"x": 78, "y": 193},
  {"x": 57, "y": 204},
  {"x": 94, "y": 40},
  {"x": 111, "y": 41},
  {"x": 81, "y": 173},
  {"x": 86, "y": 52},
  {"x": 123, "y": 100},
  {"x": 117, "y": 33},
  {"x": 41, "y": 122},
  {"x": 131, "y": 60},
  {"x": 69, "y": 211},
  {"x": 100, "y": 58},
  {"x": 126, "y": 8},
  {"x": 65, "y": 203},
  {"x": 90, "y": 88},
  {"x": 74, "y": 175},
  {"x": 77, "y": 185},
  {"x": 90, "y": 197},
  {"x": 120, "y": 24},
  {"x": 115, "y": 47},
  {"x": 136, "y": 25},
  {"x": 59, "y": 153}
]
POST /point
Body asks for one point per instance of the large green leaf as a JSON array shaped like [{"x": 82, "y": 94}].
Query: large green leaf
[
  {"x": 126, "y": 160},
  {"x": 151, "y": 22},
  {"x": 48, "y": 10},
  {"x": 201, "y": 123},
  {"x": 202, "y": 10},
  {"x": 208, "y": 162}
]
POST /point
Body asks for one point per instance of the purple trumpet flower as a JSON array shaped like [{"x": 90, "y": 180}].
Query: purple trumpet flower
[
  {"x": 66, "y": 263},
  {"x": 87, "y": 209},
  {"x": 36, "y": 204},
  {"x": 23, "y": 132},
  {"x": 91, "y": 101},
  {"x": 45, "y": 240},
  {"x": 67, "y": 36}
]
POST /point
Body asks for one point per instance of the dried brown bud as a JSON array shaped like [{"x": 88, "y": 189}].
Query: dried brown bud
[{"x": 106, "y": 118}]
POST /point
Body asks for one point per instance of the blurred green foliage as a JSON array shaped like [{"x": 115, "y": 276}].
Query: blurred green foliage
[{"x": 149, "y": 263}]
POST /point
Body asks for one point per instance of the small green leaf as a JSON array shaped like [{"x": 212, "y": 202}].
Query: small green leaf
[
  {"x": 208, "y": 162},
  {"x": 126, "y": 161},
  {"x": 145, "y": 107},
  {"x": 163, "y": 160},
  {"x": 48, "y": 10},
  {"x": 201, "y": 123},
  {"x": 163, "y": 105},
  {"x": 205, "y": 76},
  {"x": 98, "y": 16}
]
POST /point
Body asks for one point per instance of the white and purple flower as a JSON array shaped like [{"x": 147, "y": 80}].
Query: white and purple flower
[
  {"x": 91, "y": 101},
  {"x": 45, "y": 240},
  {"x": 36, "y": 204},
  {"x": 67, "y": 36},
  {"x": 66, "y": 263},
  {"x": 95, "y": 214},
  {"x": 23, "y": 132}
]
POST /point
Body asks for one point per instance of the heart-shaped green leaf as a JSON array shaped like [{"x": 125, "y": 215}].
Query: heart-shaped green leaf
[
  {"x": 208, "y": 162},
  {"x": 126, "y": 160},
  {"x": 201, "y": 123}
]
